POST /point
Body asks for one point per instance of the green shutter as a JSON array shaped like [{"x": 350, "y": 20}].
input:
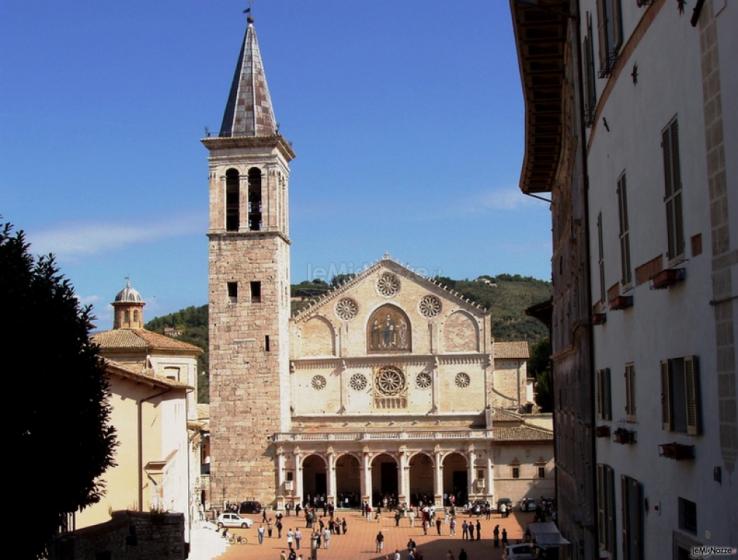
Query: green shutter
[
  {"x": 692, "y": 383},
  {"x": 666, "y": 418}
]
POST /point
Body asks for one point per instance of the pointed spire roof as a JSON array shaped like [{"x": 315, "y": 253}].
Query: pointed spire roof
[{"x": 249, "y": 109}]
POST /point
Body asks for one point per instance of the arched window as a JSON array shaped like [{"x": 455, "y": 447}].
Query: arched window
[
  {"x": 388, "y": 330},
  {"x": 232, "y": 196},
  {"x": 136, "y": 318},
  {"x": 254, "y": 199}
]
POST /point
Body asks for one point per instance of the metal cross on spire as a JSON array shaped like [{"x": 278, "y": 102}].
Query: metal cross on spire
[{"x": 250, "y": 12}]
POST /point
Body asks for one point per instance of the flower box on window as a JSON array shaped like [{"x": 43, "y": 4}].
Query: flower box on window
[
  {"x": 621, "y": 302},
  {"x": 602, "y": 431},
  {"x": 667, "y": 277},
  {"x": 623, "y": 436},
  {"x": 599, "y": 318},
  {"x": 676, "y": 451}
]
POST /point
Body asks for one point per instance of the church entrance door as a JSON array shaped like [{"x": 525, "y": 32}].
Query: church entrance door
[
  {"x": 348, "y": 481},
  {"x": 421, "y": 479},
  {"x": 455, "y": 479},
  {"x": 384, "y": 480},
  {"x": 314, "y": 479}
]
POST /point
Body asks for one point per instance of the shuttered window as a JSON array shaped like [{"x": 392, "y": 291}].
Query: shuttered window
[
  {"x": 610, "y": 32},
  {"x": 606, "y": 508},
  {"x": 626, "y": 273},
  {"x": 680, "y": 395},
  {"x": 590, "y": 91},
  {"x": 601, "y": 256},
  {"x": 632, "y": 520},
  {"x": 630, "y": 406},
  {"x": 604, "y": 398},
  {"x": 673, "y": 189}
]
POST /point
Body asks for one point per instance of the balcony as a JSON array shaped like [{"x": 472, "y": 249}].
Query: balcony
[
  {"x": 667, "y": 278},
  {"x": 599, "y": 318},
  {"x": 289, "y": 437},
  {"x": 623, "y": 436},
  {"x": 676, "y": 451},
  {"x": 621, "y": 302},
  {"x": 602, "y": 431}
]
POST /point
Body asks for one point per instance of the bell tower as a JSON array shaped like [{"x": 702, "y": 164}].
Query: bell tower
[{"x": 249, "y": 285}]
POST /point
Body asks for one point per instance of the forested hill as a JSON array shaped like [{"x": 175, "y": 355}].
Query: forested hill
[{"x": 506, "y": 295}]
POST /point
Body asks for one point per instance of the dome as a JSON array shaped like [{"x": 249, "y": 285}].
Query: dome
[{"x": 128, "y": 295}]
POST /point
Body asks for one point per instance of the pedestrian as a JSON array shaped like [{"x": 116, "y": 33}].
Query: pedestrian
[
  {"x": 260, "y": 534},
  {"x": 503, "y": 510},
  {"x": 496, "y": 534},
  {"x": 464, "y": 530},
  {"x": 462, "y": 555},
  {"x": 292, "y": 555},
  {"x": 278, "y": 525},
  {"x": 397, "y": 555},
  {"x": 411, "y": 545},
  {"x": 504, "y": 537},
  {"x": 344, "y": 526},
  {"x": 282, "y": 556},
  {"x": 438, "y": 525},
  {"x": 479, "y": 530},
  {"x": 298, "y": 538},
  {"x": 425, "y": 526},
  {"x": 471, "y": 531},
  {"x": 452, "y": 526},
  {"x": 450, "y": 555},
  {"x": 288, "y": 507},
  {"x": 379, "y": 541},
  {"x": 397, "y": 518},
  {"x": 264, "y": 515},
  {"x": 326, "y": 537},
  {"x": 269, "y": 527},
  {"x": 297, "y": 509},
  {"x": 290, "y": 538}
]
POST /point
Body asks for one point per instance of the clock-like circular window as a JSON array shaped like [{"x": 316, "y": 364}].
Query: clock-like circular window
[
  {"x": 430, "y": 306},
  {"x": 358, "y": 382},
  {"x": 390, "y": 381},
  {"x": 423, "y": 380},
  {"x": 388, "y": 284},
  {"x": 318, "y": 382},
  {"x": 462, "y": 380},
  {"x": 347, "y": 309}
]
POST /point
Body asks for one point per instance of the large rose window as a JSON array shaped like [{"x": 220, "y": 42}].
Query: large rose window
[
  {"x": 388, "y": 284},
  {"x": 390, "y": 381}
]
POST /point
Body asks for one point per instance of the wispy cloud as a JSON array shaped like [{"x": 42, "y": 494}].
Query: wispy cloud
[
  {"x": 504, "y": 198},
  {"x": 83, "y": 239}
]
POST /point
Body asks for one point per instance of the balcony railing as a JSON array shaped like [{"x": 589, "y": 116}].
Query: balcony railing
[{"x": 383, "y": 436}]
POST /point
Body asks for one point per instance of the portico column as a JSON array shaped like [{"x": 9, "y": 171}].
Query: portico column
[
  {"x": 472, "y": 457},
  {"x": 366, "y": 478},
  {"x": 280, "y": 478},
  {"x": 403, "y": 473},
  {"x": 332, "y": 477},
  {"x": 434, "y": 385},
  {"x": 298, "y": 477},
  {"x": 438, "y": 479},
  {"x": 490, "y": 478}
]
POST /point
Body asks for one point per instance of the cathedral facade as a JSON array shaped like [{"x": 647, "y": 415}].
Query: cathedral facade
[{"x": 389, "y": 386}]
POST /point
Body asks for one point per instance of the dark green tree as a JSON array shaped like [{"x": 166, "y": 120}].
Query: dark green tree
[
  {"x": 61, "y": 440},
  {"x": 540, "y": 366},
  {"x": 339, "y": 279}
]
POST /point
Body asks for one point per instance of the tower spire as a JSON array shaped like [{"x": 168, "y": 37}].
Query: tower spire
[{"x": 249, "y": 110}]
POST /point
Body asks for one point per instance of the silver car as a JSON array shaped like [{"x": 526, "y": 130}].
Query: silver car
[{"x": 233, "y": 520}]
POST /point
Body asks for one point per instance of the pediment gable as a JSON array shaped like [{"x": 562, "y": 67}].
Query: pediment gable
[{"x": 337, "y": 302}]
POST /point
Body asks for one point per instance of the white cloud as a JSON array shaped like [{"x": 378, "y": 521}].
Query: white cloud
[
  {"x": 83, "y": 239},
  {"x": 506, "y": 198}
]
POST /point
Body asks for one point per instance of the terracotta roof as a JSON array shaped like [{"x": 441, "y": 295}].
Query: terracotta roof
[
  {"x": 141, "y": 339},
  {"x": 141, "y": 375},
  {"x": 502, "y": 415},
  {"x": 511, "y": 349},
  {"x": 524, "y": 432}
]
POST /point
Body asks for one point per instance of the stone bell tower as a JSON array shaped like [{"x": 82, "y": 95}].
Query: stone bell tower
[{"x": 249, "y": 286}]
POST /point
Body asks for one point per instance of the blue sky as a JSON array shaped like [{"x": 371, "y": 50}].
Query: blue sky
[{"x": 406, "y": 117}]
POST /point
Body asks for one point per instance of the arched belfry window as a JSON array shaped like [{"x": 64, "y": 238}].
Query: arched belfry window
[
  {"x": 388, "y": 330},
  {"x": 254, "y": 199},
  {"x": 232, "y": 196}
]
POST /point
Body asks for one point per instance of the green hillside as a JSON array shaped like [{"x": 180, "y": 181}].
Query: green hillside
[{"x": 506, "y": 295}]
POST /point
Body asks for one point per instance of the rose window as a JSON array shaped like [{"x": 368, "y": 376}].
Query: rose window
[
  {"x": 347, "y": 309},
  {"x": 462, "y": 380},
  {"x": 318, "y": 382},
  {"x": 423, "y": 380},
  {"x": 390, "y": 381},
  {"x": 358, "y": 382},
  {"x": 388, "y": 284},
  {"x": 430, "y": 306}
]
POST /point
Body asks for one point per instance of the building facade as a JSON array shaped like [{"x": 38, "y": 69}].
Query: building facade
[
  {"x": 389, "y": 386},
  {"x": 660, "y": 139}
]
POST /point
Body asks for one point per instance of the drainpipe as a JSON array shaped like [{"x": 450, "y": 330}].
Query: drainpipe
[{"x": 140, "y": 444}]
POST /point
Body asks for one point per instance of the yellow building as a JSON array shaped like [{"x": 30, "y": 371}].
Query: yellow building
[{"x": 153, "y": 380}]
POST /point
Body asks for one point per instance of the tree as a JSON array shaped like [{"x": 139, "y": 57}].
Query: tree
[
  {"x": 61, "y": 437},
  {"x": 339, "y": 279},
  {"x": 540, "y": 365}
]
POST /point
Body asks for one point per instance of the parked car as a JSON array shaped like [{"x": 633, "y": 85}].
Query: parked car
[
  {"x": 528, "y": 504},
  {"x": 478, "y": 507},
  {"x": 507, "y": 501},
  {"x": 250, "y": 507},
  {"x": 523, "y": 551},
  {"x": 233, "y": 520}
]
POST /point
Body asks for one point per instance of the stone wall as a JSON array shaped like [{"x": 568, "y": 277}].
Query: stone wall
[{"x": 127, "y": 536}]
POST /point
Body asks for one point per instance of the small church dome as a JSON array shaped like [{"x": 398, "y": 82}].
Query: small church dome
[{"x": 128, "y": 295}]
